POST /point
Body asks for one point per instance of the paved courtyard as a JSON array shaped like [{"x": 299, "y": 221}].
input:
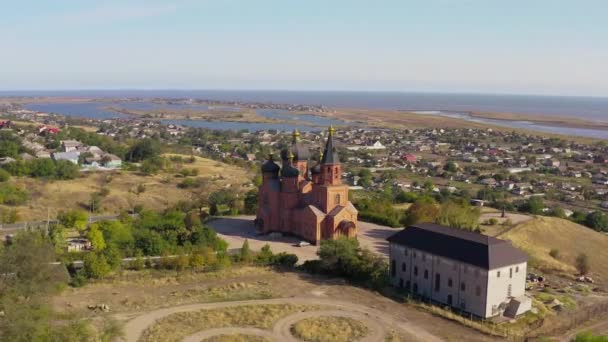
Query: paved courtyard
[{"x": 238, "y": 228}]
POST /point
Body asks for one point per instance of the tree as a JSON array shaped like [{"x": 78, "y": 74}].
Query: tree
[
  {"x": 9, "y": 145},
  {"x": 144, "y": 149},
  {"x": 246, "y": 254},
  {"x": 76, "y": 219},
  {"x": 251, "y": 202},
  {"x": 4, "y": 175},
  {"x": 582, "y": 264},
  {"x": 65, "y": 169},
  {"x": 450, "y": 167},
  {"x": 597, "y": 220},
  {"x": 118, "y": 234},
  {"x": 365, "y": 178},
  {"x": 428, "y": 186},
  {"x": 534, "y": 205},
  {"x": 344, "y": 257},
  {"x": 95, "y": 236},
  {"x": 95, "y": 265},
  {"x": 95, "y": 202},
  {"x": 459, "y": 215},
  {"x": 423, "y": 210},
  {"x": 42, "y": 167},
  {"x": 29, "y": 279},
  {"x": 265, "y": 255}
]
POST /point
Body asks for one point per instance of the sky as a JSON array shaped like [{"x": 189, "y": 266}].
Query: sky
[{"x": 481, "y": 46}]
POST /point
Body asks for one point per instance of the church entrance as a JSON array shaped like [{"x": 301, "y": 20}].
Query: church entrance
[{"x": 346, "y": 229}]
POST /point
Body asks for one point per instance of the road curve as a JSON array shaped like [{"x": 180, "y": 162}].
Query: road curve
[
  {"x": 205, "y": 334},
  {"x": 135, "y": 327}
]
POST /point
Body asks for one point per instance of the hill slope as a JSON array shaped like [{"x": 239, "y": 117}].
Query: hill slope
[{"x": 538, "y": 236}]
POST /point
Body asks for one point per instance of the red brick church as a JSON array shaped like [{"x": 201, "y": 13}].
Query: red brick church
[{"x": 311, "y": 203}]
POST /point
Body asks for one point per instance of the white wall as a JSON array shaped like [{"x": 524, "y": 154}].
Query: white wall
[
  {"x": 481, "y": 290},
  {"x": 499, "y": 286}
]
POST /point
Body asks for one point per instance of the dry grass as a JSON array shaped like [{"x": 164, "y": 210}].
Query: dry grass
[
  {"x": 538, "y": 236},
  {"x": 177, "y": 326},
  {"x": 236, "y": 338},
  {"x": 329, "y": 329},
  {"x": 151, "y": 289},
  {"x": 161, "y": 190}
]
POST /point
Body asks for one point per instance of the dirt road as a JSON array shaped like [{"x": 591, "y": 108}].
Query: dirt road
[{"x": 135, "y": 327}]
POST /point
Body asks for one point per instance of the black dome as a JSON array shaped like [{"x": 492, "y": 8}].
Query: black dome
[
  {"x": 270, "y": 166},
  {"x": 289, "y": 171},
  {"x": 315, "y": 170}
]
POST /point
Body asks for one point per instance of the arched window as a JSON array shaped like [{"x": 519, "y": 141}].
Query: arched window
[{"x": 337, "y": 199}]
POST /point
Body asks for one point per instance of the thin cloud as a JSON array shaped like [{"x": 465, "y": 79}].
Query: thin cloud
[{"x": 118, "y": 12}]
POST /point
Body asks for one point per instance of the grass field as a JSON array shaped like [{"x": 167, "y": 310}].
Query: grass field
[
  {"x": 236, "y": 338},
  {"x": 329, "y": 329},
  {"x": 177, "y": 326},
  {"x": 160, "y": 190},
  {"x": 538, "y": 236}
]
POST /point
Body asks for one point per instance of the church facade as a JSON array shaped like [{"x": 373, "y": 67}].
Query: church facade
[{"x": 308, "y": 202}]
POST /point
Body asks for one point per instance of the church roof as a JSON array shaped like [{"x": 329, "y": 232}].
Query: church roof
[
  {"x": 330, "y": 154},
  {"x": 315, "y": 210},
  {"x": 290, "y": 171},
  {"x": 270, "y": 166},
  {"x": 299, "y": 151},
  {"x": 336, "y": 210}
]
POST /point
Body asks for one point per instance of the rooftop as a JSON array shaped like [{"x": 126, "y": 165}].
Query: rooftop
[{"x": 472, "y": 248}]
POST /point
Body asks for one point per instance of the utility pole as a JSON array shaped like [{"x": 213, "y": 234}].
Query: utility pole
[
  {"x": 48, "y": 218},
  {"x": 504, "y": 204}
]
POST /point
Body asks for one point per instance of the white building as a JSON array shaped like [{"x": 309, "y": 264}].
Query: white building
[{"x": 471, "y": 272}]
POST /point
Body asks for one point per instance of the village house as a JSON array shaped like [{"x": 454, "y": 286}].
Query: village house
[{"x": 471, "y": 272}]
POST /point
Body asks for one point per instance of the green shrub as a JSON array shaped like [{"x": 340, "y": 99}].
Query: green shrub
[
  {"x": 554, "y": 253},
  {"x": 11, "y": 195},
  {"x": 4, "y": 175}
]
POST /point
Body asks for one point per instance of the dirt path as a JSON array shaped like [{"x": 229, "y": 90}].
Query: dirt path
[
  {"x": 135, "y": 327},
  {"x": 205, "y": 334},
  {"x": 597, "y": 328}
]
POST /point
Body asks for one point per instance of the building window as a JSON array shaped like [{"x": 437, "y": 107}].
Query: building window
[
  {"x": 437, "y": 282},
  {"x": 423, "y": 257},
  {"x": 426, "y": 274},
  {"x": 403, "y": 267},
  {"x": 478, "y": 291},
  {"x": 405, "y": 251},
  {"x": 415, "y": 270},
  {"x": 401, "y": 282},
  {"x": 337, "y": 199},
  {"x": 449, "y": 282},
  {"x": 414, "y": 255},
  {"x": 509, "y": 291},
  {"x": 497, "y": 274},
  {"x": 516, "y": 269},
  {"x": 463, "y": 287},
  {"x": 393, "y": 268},
  {"x": 510, "y": 272}
]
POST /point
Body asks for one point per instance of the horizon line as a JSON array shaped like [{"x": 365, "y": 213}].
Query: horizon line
[{"x": 286, "y": 90}]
